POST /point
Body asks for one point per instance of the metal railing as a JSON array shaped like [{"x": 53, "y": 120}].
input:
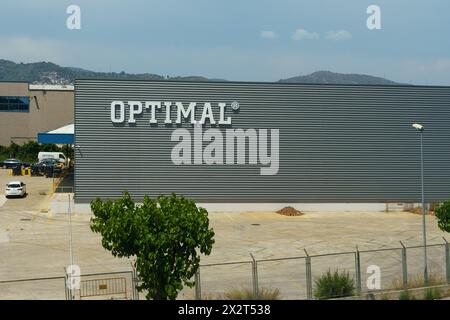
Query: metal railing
[
  {"x": 64, "y": 189},
  {"x": 105, "y": 285}
]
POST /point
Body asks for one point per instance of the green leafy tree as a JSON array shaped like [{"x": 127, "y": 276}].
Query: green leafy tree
[
  {"x": 28, "y": 151},
  {"x": 165, "y": 235},
  {"x": 443, "y": 215},
  {"x": 14, "y": 149}
]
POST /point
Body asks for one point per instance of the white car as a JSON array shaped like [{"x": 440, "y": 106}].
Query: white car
[{"x": 16, "y": 189}]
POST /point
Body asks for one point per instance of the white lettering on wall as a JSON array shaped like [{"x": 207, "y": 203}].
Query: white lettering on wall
[
  {"x": 222, "y": 120},
  {"x": 153, "y": 105},
  {"x": 209, "y": 112},
  {"x": 168, "y": 105},
  {"x": 135, "y": 109},
  {"x": 114, "y": 106},
  {"x": 190, "y": 112}
]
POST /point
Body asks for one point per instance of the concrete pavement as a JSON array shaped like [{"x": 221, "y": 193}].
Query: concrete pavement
[{"x": 34, "y": 244}]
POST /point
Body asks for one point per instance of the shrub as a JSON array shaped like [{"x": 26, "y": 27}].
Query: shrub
[
  {"x": 247, "y": 294},
  {"x": 432, "y": 294},
  {"x": 406, "y": 295},
  {"x": 385, "y": 296},
  {"x": 334, "y": 285}
]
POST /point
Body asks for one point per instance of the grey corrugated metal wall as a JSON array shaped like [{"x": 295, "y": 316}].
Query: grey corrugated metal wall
[{"x": 338, "y": 143}]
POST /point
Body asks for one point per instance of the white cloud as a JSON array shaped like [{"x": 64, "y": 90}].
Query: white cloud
[
  {"x": 302, "y": 34},
  {"x": 340, "y": 35},
  {"x": 268, "y": 34}
]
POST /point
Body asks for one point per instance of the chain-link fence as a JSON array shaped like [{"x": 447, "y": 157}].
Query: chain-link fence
[
  {"x": 272, "y": 273},
  {"x": 389, "y": 262},
  {"x": 111, "y": 285},
  {"x": 296, "y": 277},
  {"x": 49, "y": 288},
  {"x": 395, "y": 268}
]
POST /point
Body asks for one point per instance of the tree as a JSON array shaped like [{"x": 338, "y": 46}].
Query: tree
[
  {"x": 443, "y": 215},
  {"x": 165, "y": 235}
]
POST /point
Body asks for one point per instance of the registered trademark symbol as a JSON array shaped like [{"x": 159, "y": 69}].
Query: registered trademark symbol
[{"x": 235, "y": 105}]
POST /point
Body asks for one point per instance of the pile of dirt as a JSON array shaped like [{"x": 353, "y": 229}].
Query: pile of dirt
[{"x": 289, "y": 211}]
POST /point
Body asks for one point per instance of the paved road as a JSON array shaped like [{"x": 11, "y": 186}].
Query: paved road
[{"x": 2, "y": 200}]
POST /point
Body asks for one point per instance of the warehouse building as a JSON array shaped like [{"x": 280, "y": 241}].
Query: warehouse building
[
  {"x": 254, "y": 144},
  {"x": 27, "y": 109}
]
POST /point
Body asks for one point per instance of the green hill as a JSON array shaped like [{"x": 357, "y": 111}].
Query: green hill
[
  {"x": 50, "y": 73},
  {"x": 321, "y": 77}
]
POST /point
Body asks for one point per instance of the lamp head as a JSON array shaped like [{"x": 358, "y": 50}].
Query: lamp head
[{"x": 419, "y": 127}]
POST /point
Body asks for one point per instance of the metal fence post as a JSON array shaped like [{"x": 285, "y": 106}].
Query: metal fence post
[
  {"x": 404, "y": 267},
  {"x": 358, "y": 271},
  {"x": 309, "y": 290},
  {"x": 136, "y": 284},
  {"x": 255, "y": 277},
  {"x": 134, "y": 281},
  {"x": 133, "y": 285},
  {"x": 198, "y": 288},
  {"x": 447, "y": 260},
  {"x": 65, "y": 288}
]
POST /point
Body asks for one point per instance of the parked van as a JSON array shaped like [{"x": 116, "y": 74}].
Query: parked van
[{"x": 53, "y": 155}]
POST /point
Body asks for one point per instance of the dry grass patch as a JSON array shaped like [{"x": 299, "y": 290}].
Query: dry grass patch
[
  {"x": 247, "y": 294},
  {"x": 418, "y": 281}
]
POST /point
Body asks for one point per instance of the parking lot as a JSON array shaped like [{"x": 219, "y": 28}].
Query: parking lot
[
  {"x": 34, "y": 244},
  {"x": 38, "y": 189}
]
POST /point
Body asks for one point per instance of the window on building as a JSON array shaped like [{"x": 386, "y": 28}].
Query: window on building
[{"x": 14, "y": 104}]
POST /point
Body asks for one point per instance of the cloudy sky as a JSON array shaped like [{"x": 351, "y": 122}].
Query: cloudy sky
[{"x": 258, "y": 40}]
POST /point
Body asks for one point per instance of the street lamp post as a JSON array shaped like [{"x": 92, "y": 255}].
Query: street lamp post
[
  {"x": 420, "y": 128},
  {"x": 71, "y": 251}
]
